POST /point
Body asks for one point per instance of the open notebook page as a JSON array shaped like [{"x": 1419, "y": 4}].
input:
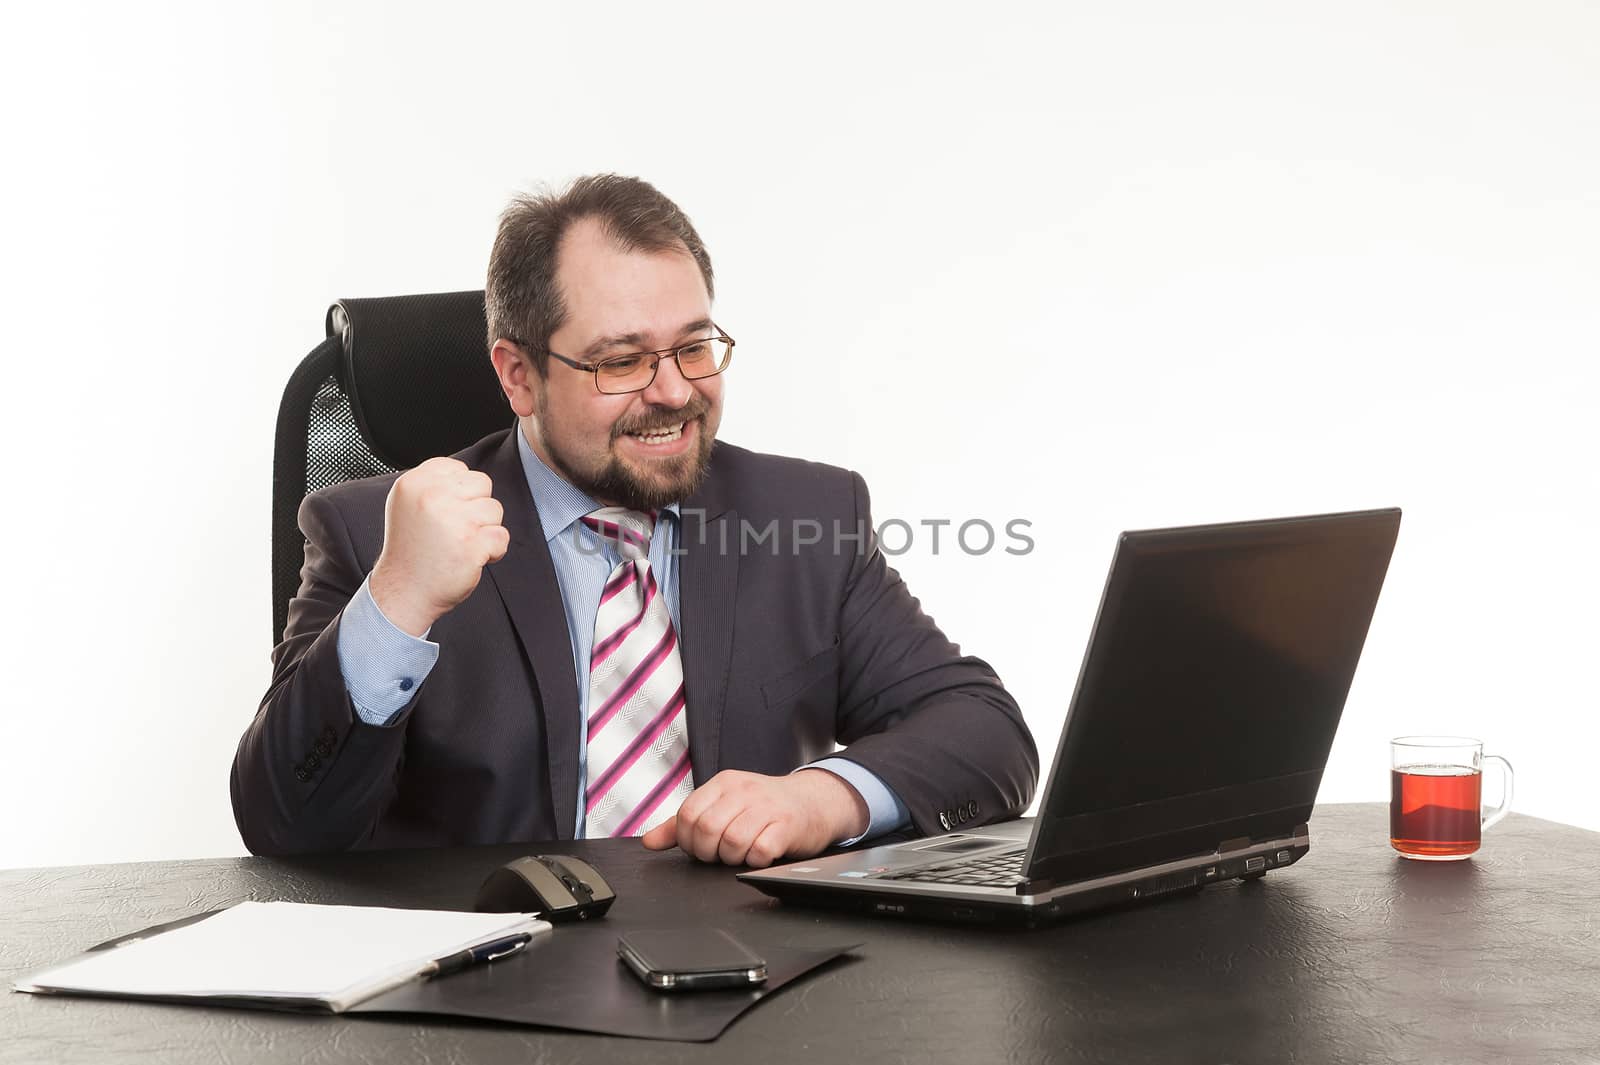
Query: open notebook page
[{"x": 337, "y": 955}]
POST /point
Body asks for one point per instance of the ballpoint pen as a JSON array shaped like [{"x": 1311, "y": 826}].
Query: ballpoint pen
[{"x": 479, "y": 955}]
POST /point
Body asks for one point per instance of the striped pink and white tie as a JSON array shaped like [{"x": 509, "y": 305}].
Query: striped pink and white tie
[{"x": 638, "y": 749}]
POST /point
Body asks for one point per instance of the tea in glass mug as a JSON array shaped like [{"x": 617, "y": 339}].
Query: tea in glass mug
[{"x": 1436, "y": 796}]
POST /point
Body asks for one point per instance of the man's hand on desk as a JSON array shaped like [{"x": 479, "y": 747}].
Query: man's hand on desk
[{"x": 749, "y": 819}]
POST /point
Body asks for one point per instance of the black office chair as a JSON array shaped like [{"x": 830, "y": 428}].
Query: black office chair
[{"x": 397, "y": 381}]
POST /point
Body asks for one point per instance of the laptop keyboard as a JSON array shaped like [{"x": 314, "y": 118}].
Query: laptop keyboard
[{"x": 993, "y": 870}]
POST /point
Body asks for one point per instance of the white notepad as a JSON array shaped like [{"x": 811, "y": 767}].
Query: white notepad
[{"x": 286, "y": 954}]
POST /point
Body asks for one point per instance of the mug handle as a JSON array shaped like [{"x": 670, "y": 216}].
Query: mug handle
[{"x": 1505, "y": 792}]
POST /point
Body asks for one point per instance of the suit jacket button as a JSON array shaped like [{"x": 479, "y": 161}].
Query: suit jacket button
[
  {"x": 961, "y": 814},
  {"x": 301, "y": 775},
  {"x": 972, "y": 808},
  {"x": 944, "y": 819}
]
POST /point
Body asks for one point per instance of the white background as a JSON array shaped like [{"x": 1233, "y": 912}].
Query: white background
[{"x": 1099, "y": 267}]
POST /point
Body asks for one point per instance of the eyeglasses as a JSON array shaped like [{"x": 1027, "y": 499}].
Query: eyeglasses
[{"x": 636, "y": 371}]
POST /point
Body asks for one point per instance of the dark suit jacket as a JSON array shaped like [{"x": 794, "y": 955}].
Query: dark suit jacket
[{"x": 787, "y": 647}]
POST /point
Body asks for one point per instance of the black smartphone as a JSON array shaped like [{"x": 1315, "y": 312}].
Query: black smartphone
[{"x": 691, "y": 959}]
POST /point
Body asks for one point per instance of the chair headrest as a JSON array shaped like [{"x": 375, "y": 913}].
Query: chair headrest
[{"x": 418, "y": 374}]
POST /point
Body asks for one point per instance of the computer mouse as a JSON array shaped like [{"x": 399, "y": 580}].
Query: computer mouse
[{"x": 558, "y": 887}]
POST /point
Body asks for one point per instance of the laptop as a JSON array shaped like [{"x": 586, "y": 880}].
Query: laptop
[{"x": 1193, "y": 746}]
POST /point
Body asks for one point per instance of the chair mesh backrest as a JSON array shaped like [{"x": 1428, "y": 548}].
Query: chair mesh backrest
[
  {"x": 335, "y": 449},
  {"x": 398, "y": 380}
]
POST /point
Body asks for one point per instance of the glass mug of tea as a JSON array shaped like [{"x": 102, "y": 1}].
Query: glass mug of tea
[{"x": 1436, "y": 796}]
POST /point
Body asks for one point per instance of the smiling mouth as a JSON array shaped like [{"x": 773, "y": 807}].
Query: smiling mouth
[{"x": 660, "y": 436}]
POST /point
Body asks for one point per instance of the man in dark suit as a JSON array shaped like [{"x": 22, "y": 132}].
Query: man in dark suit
[{"x": 674, "y": 634}]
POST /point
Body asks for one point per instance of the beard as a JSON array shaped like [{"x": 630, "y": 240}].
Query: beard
[{"x": 665, "y": 480}]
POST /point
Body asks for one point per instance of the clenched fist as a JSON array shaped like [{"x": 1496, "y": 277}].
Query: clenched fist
[{"x": 441, "y": 526}]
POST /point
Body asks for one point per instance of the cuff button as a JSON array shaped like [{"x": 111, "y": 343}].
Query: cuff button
[{"x": 406, "y": 684}]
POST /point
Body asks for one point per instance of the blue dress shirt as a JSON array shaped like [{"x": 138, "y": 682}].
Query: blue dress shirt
[{"x": 383, "y": 666}]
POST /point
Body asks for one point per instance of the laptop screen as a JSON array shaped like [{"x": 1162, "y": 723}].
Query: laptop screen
[{"x": 1213, "y": 684}]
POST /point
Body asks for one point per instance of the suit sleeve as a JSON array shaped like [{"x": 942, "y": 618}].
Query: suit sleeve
[
  {"x": 310, "y": 774},
  {"x": 381, "y": 665},
  {"x": 934, "y": 725}
]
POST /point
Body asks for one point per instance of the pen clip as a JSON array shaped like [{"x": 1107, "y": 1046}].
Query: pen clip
[
  {"x": 512, "y": 949},
  {"x": 479, "y": 955}
]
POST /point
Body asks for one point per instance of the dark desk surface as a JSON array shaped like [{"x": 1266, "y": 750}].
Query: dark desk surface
[{"x": 1353, "y": 955}]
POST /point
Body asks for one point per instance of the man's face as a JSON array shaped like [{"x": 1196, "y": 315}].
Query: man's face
[{"x": 643, "y": 449}]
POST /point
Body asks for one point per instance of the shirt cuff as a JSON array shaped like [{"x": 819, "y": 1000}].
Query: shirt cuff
[
  {"x": 885, "y": 811},
  {"x": 382, "y": 666}
]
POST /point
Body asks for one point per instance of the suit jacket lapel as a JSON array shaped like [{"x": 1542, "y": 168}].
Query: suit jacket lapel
[
  {"x": 708, "y": 579},
  {"x": 526, "y": 581}
]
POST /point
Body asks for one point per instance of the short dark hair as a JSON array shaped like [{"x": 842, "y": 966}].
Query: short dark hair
[{"x": 521, "y": 296}]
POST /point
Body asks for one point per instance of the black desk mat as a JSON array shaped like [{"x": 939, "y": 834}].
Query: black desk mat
[
  {"x": 572, "y": 979},
  {"x": 569, "y": 978}
]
